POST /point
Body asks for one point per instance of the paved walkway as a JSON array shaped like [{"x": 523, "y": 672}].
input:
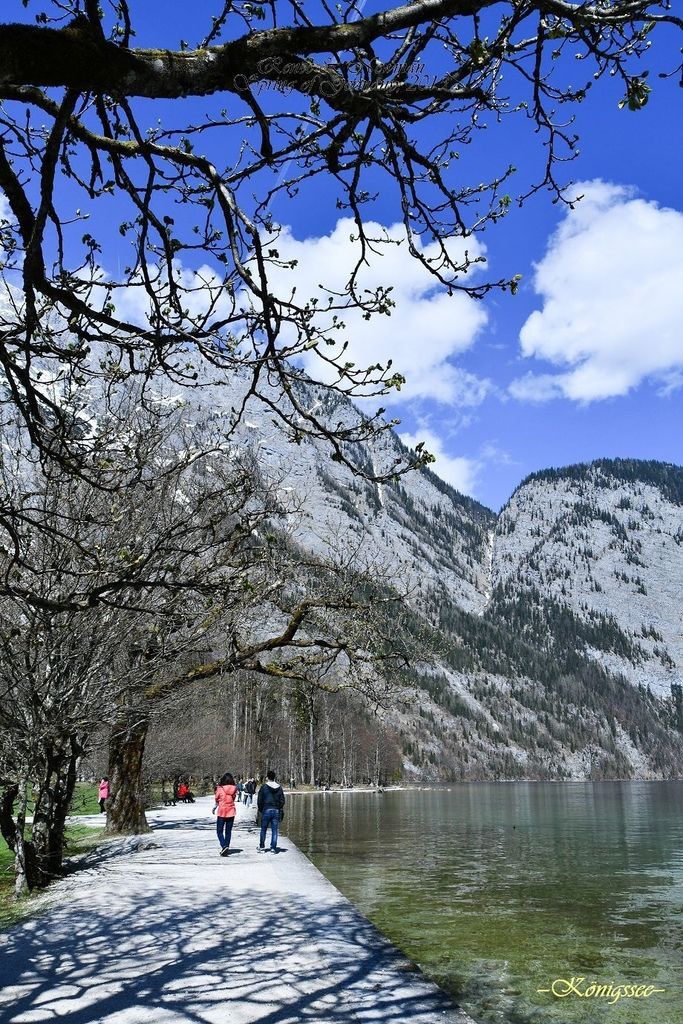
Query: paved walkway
[{"x": 161, "y": 930}]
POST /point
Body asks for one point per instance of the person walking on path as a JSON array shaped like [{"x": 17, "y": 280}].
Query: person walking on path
[
  {"x": 271, "y": 806},
  {"x": 249, "y": 791},
  {"x": 103, "y": 793},
  {"x": 225, "y": 794}
]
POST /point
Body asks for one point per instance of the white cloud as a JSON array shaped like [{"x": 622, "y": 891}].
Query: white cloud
[
  {"x": 201, "y": 289},
  {"x": 612, "y": 311},
  {"x": 457, "y": 470},
  {"x": 426, "y": 328},
  {"x": 493, "y": 453}
]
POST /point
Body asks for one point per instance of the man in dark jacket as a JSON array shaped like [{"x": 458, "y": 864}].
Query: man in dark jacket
[{"x": 271, "y": 807}]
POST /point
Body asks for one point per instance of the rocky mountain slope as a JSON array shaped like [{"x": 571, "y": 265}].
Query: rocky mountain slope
[
  {"x": 606, "y": 541},
  {"x": 547, "y": 639},
  {"x": 419, "y": 530}
]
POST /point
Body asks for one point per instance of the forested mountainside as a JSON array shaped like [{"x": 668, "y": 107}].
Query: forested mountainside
[
  {"x": 546, "y": 641},
  {"x": 597, "y": 550}
]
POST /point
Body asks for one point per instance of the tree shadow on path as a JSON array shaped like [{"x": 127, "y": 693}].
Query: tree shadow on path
[{"x": 140, "y": 943}]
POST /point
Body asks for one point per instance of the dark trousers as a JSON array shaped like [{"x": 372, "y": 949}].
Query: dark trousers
[
  {"x": 102, "y": 807},
  {"x": 224, "y": 830},
  {"x": 270, "y": 817}
]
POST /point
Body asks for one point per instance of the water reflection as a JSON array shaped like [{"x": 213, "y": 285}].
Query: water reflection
[{"x": 497, "y": 889}]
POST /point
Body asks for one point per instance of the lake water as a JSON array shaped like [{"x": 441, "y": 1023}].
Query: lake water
[{"x": 499, "y": 890}]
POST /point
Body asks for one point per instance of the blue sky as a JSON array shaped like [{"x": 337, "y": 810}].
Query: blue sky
[
  {"x": 586, "y": 360},
  {"x": 531, "y": 414}
]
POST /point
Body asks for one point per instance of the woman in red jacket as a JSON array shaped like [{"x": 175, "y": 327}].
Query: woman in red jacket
[
  {"x": 225, "y": 794},
  {"x": 103, "y": 793}
]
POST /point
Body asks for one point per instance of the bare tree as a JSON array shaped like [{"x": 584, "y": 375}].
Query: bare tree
[
  {"x": 120, "y": 583},
  {"x": 321, "y": 626},
  {"x": 138, "y": 594},
  {"x": 57, "y": 675},
  {"x": 290, "y": 95},
  {"x": 196, "y": 738}
]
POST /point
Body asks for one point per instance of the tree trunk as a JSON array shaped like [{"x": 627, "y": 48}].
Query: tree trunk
[
  {"x": 53, "y": 800},
  {"x": 344, "y": 771},
  {"x": 235, "y": 699},
  {"x": 290, "y": 765},
  {"x": 126, "y": 810},
  {"x": 311, "y": 742},
  {"x": 39, "y": 860},
  {"x": 8, "y": 828},
  {"x": 63, "y": 797},
  {"x": 352, "y": 757},
  {"x": 27, "y": 873},
  {"x": 327, "y": 749}
]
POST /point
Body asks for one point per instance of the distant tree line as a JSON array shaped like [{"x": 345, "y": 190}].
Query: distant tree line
[
  {"x": 666, "y": 476},
  {"x": 245, "y": 725}
]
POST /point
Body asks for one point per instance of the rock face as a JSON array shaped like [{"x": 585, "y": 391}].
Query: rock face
[
  {"x": 605, "y": 540},
  {"x": 550, "y": 638},
  {"x": 420, "y": 531},
  {"x": 547, "y": 640}
]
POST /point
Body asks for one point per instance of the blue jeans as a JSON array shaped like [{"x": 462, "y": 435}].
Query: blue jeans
[
  {"x": 224, "y": 825},
  {"x": 271, "y": 816}
]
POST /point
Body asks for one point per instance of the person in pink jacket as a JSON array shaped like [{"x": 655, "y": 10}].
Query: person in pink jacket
[
  {"x": 225, "y": 794},
  {"x": 103, "y": 793}
]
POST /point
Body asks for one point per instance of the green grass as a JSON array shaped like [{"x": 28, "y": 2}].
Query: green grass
[
  {"x": 85, "y": 799},
  {"x": 153, "y": 795},
  {"x": 79, "y": 839},
  {"x": 10, "y": 909}
]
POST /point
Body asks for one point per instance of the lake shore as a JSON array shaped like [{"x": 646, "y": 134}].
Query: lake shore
[
  {"x": 518, "y": 885},
  {"x": 159, "y": 929}
]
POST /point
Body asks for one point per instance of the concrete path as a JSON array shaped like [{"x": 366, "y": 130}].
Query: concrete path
[{"x": 161, "y": 930}]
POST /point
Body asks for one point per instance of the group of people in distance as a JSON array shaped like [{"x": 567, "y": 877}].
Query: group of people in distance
[
  {"x": 246, "y": 791},
  {"x": 270, "y": 804}
]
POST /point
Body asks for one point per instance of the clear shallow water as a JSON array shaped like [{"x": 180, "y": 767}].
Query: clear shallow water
[{"x": 496, "y": 890}]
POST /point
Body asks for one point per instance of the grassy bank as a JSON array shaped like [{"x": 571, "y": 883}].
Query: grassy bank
[
  {"x": 10, "y": 909},
  {"x": 85, "y": 799},
  {"x": 79, "y": 839}
]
